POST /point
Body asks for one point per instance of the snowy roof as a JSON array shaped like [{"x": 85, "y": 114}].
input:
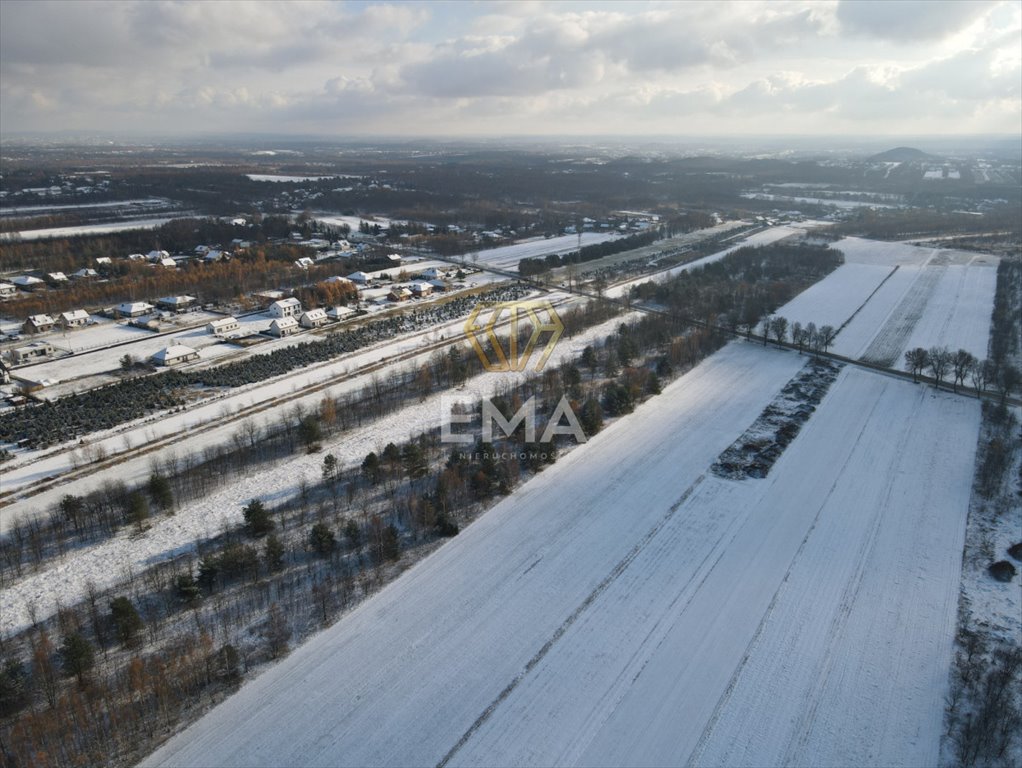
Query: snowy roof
[
  {"x": 130, "y": 307},
  {"x": 315, "y": 314},
  {"x": 339, "y": 311},
  {"x": 420, "y": 287},
  {"x": 104, "y": 260},
  {"x": 157, "y": 255},
  {"x": 85, "y": 272},
  {"x": 77, "y": 314},
  {"x": 290, "y": 302},
  {"x": 40, "y": 320},
  {"x": 57, "y": 276},
  {"x": 26, "y": 280},
  {"x": 284, "y": 322},
  {"x": 173, "y": 352},
  {"x": 359, "y": 277},
  {"x": 176, "y": 300},
  {"x": 168, "y": 262},
  {"x": 220, "y": 322},
  {"x": 337, "y": 279}
]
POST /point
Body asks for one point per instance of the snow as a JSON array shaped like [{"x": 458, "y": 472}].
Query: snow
[
  {"x": 835, "y": 298},
  {"x": 285, "y": 178},
  {"x": 110, "y": 561},
  {"x": 625, "y": 607},
  {"x": 508, "y": 256},
  {"x": 86, "y": 229},
  {"x": 763, "y": 237}
]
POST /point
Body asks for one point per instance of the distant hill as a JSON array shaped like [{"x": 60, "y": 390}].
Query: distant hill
[{"x": 903, "y": 155}]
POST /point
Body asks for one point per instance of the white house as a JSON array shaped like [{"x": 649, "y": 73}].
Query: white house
[
  {"x": 34, "y": 351},
  {"x": 215, "y": 255},
  {"x": 136, "y": 257},
  {"x": 38, "y": 324},
  {"x": 394, "y": 259},
  {"x": 85, "y": 272},
  {"x": 439, "y": 285},
  {"x": 432, "y": 273},
  {"x": 313, "y": 318},
  {"x": 7, "y": 290},
  {"x": 339, "y": 279},
  {"x": 134, "y": 309},
  {"x": 339, "y": 312},
  {"x": 284, "y": 326},
  {"x": 56, "y": 277},
  {"x": 168, "y": 262},
  {"x": 175, "y": 354},
  {"x": 156, "y": 256},
  {"x": 74, "y": 319},
  {"x": 223, "y": 325},
  {"x": 359, "y": 277},
  {"x": 104, "y": 260},
  {"x": 286, "y": 308}
]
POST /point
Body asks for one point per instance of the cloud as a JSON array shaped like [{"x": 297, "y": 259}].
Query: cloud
[{"x": 910, "y": 19}]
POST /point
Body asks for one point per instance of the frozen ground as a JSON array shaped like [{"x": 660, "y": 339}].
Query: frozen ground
[
  {"x": 508, "y": 256},
  {"x": 86, "y": 229},
  {"x": 111, "y": 561},
  {"x": 627, "y": 608}
]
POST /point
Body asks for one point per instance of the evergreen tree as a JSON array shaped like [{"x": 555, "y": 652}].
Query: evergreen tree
[
  {"x": 77, "y": 656},
  {"x": 127, "y": 622}
]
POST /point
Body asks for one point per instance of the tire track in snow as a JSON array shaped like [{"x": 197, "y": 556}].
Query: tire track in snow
[
  {"x": 694, "y": 757},
  {"x": 600, "y": 588}
]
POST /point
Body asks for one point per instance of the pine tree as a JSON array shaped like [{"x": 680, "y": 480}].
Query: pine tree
[
  {"x": 77, "y": 656},
  {"x": 126, "y": 620}
]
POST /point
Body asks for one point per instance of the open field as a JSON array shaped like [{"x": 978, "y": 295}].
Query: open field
[{"x": 668, "y": 605}]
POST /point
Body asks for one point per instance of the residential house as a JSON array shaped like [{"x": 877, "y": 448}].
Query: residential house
[
  {"x": 75, "y": 319},
  {"x": 7, "y": 290},
  {"x": 156, "y": 256},
  {"x": 283, "y": 326},
  {"x": 85, "y": 273},
  {"x": 439, "y": 285},
  {"x": 399, "y": 294},
  {"x": 175, "y": 303},
  {"x": 175, "y": 355},
  {"x": 104, "y": 261},
  {"x": 286, "y": 308},
  {"x": 222, "y": 326},
  {"x": 421, "y": 289},
  {"x": 134, "y": 309},
  {"x": 267, "y": 298},
  {"x": 432, "y": 273},
  {"x": 27, "y": 282},
  {"x": 34, "y": 351},
  {"x": 168, "y": 262},
  {"x": 38, "y": 324},
  {"x": 359, "y": 277},
  {"x": 305, "y": 262},
  {"x": 313, "y": 318},
  {"x": 339, "y": 312},
  {"x": 394, "y": 259},
  {"x": 56, "y": 278}
]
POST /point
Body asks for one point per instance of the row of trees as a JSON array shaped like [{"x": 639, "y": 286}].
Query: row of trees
[{"x": 961, "y": 366}]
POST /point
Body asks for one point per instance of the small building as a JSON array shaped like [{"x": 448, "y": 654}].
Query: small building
[
  {"x": 339, "y": 312},
  {"x": 432, "y": 273},
  {"x": 439, "y": 285},
  {"x": 305, "y": 262},
  {"x": 283, "y": 326},
  {"x": 175, "y": 303},
  {"x": 75, "y": 319},
  {"x": 104, "y": 261},
  {"x": 27, "y": 282},
  {"x": 266, "y": 298},
  {"x": 136, "y": 257},
  {"x": 286, "y": 308},
  {"x": 215, "y": 255},
  {"x": 168, "y": 262},
  {"x": 313, "y": 318},
  {"x": 359, "y": 277},
  {"x": 85, "y": 273},
  {"x": 134, "y": 309},
  {"x": 202, "y": 250},
  {"x": 175, "y": 355},
  {"x": 421, "y": 289},
  {"x": 38, "y": 324},
  {"x": 339, "y": 280},
  {"x": 399, "y": 294},
  {"x": 157, "y": 256},
  {"x": 37, "y": 350},
  {"x": 394, "y": 259},
  {"x": 7, "y": 290},
  {"x": 56, "y": 278},
  {"x": 222, "y": 326}
]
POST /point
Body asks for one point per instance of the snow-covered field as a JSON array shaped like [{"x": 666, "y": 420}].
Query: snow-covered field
[
  {"x": 627, "y": 608},
  {"x": 111, "y": 561},
  {"x": 934, "y": 298},
  {"x": 508, "y": 256},
  {"x": 85, "y": 229}
]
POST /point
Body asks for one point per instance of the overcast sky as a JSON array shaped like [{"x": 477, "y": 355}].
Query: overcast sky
[{"x": 495, "y": 68}]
